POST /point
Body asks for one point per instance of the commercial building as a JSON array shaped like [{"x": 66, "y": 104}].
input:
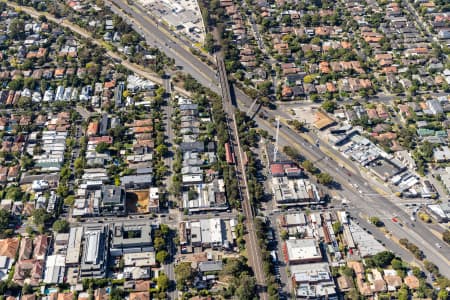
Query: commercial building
[
  {"x": 55, "y": 267},
  {"x": 440, "y": 211},
  {"x": 207, "y": 197},
  {"x": 211, "y": 231},
  {"x": 95, "y": 252},
  {"x": 295, "y": 191},
  {"x": 300, "y": 251},
  {"x": 358, "y": 239},
  {"x": 141, "y": 259},
  {"x": 322, "y": 121},
  {"x": 153, "y": 200},
  {"x": 113, "y": 200},
  {"x": 74, "y": 246},
  {"x": 441, "y": 154},
  {"x": 131, "y": 238},
  {"x": 208, "y": 233},
  {"x": 139, "y": 181},
  {"x": 293, "y": 220},
  {"x": 313, "y": 281}
]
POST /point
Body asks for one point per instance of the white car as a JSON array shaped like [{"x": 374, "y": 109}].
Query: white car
[{"x": 438, "y": 245}]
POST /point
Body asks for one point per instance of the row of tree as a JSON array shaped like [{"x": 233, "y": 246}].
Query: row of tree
[{"x": 307, "y": 165}]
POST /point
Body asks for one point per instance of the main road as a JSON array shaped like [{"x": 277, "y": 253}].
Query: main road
[
  {"x": 362, "y": 197},
  {"x": 156, "y": 35},
  {"x": 353, "y": 185}
]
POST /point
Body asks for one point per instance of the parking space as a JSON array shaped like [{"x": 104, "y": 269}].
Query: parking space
[{"x": 183, "y": 17}]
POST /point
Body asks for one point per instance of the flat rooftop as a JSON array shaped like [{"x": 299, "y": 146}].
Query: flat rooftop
[
  {"x": 303, "y": 249},
  {"x": 74, "y": 245},
  {"x": 131, "y": 235}
]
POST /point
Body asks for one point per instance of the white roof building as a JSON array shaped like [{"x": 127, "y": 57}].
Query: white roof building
[
  {"x": 211, "y": 231},
  {"x": 303, "y": 251},
  {"x": 74, "y": 245},
  {"x": 55, "y": 266},
  {"x": 142, "y": 259}
]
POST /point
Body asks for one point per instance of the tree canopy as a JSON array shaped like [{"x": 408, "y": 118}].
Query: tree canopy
[
  {"x": 4, "y": 219},
  {"x": 61, "y": 226},
  {"x": 183, "y": 274},
  {"x": 163, "y": 282},
  {"x": 40, "y": 216},
  {"x": 383, "y": 259}
]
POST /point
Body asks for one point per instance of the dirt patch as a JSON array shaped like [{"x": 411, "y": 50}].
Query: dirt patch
[{"x": 137, "y": 201}]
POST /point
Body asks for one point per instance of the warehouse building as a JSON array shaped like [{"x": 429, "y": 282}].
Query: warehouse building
[{"x": 55, "y": 267}]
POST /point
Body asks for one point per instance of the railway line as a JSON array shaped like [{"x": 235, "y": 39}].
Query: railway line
[{"x": 254, "y": 253}]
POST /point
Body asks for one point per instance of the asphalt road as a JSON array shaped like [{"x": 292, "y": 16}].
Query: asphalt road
[
  {"x": 169, "y": 268},
  {"x": 156, "y": 36},
  {"x": 369, "y": 202},
  {"x": 382, "y": 207}
]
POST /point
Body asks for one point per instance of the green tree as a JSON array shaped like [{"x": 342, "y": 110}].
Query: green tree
[
  {"x": 16, "y": 84},
  {"x": 397, "y": 264},
  {"x": 446, "y": 236},
  {"x": 308, "y": 79},
  {"x": 14, "y": 193},
  {"x": 162, "y": 150},
  {"x": 192, "y": 194},
  {"x": 383, "y": 259},
  {"x": 430, "y": 267},
  {"x": 162, "y": 282},
  {"x": 16, "y": 28},
  {"x": 291, "y": 152},
  {"x": 102, "y": 147},
  {"x": 159, "y": 243},
  {"x": 41, "y": 228},
  {"x": 27, "y": 289},
  {"x": 165, "y": 230},
  {"x": 297, "y": 124},
  {"x": 443, "y": 294},
  {"x": 4, "y": 219},
  {"x": 324, "y": 178},
  {"x": 26, "y": 162},
  {"x": 183, "y": 274},
  {"x": 161, "y": 256},
  {"x": 29, "y": 230},
  {"x": 403, "y": 293},
  {"x": 337, "y": 227},
  {"x": 233, "y": 267},
  {"x": 69, "y": 200},
  {"x": 62, "y": 190},
  {"x": 61, "y": 226},
  {"x": 309, "y": 166},
  {"x": 347, "y": 271},
  {"x": 247, "y": 287},
  {"x": 209, "y": 42},
  {"x": 40, "y": 216},
  {"x": 329, "y": 106},
  {"x": 116, "y": 293}
]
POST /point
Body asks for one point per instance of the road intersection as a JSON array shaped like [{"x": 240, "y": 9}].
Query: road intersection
[{"x": 354, "y": 186}]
